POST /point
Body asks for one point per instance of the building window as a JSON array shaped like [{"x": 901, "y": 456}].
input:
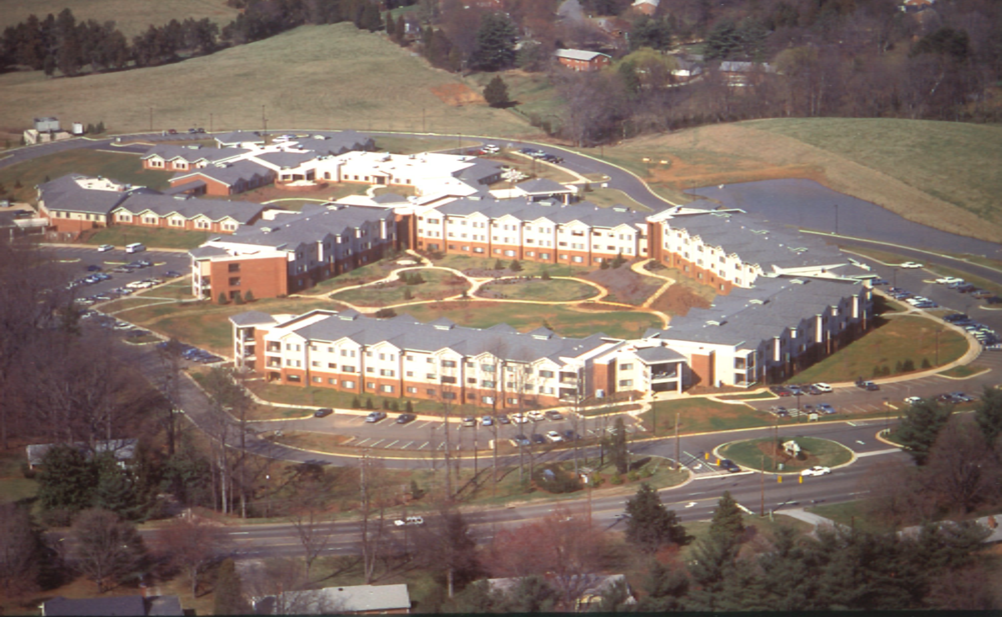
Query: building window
[
  {"x": 386, "y": 388},
  {"x": 448, "y": 364},
  {"x": 546, "y": 374},
  {"x": 411, "y": 390},
  {"x": 625, "y": 383},
  {"x": 234, "y": 281},
  {"x": 234, "y": 267},
  {"x": 370, "y": 385},
  {"x": 295, "y": 378},
  {"x": 348, "y": 383},
  {"x": 347, "y": 368},
  {"x": 626, "y": 367}
]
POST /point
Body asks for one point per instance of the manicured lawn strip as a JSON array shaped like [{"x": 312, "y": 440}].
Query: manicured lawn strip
[
  {"x": 359, "y": 276},
  {"x": 965, "y": 370},
  {"x": 152, "y": 237},
  {"x": 463, "y": 262},
  {"x": 554, "y": 290},
  {"x": 564, "y": 321},
  {"x": 749, "y": 454},
  {"x": 887, "y": 257},
  {"x": 853, "y": 514},
  {"x": 747, "y": 397},
  {"x": 438, "y": 284},
  {"x": 607, "y": 198},
  {"x": 177, "y": 290},
  {"x": 701, "y": 415},
  {"x": 122, "y": 167},
  {"x": 128, "y": 303},
  {"x": 396, "y": 144},
  {"x": 900, "y": 339},
  {"x": 207, "y": 325},
  {"x": 327, "y": 397}
]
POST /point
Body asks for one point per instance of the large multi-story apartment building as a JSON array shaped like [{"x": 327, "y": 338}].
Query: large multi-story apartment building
[
  {"x": 286, "y": 252},
  {"x": 536, "y": 231},
  {"x": 402, "y": 357}
]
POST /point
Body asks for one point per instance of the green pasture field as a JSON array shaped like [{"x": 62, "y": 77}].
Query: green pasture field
[
  {"x": 565, "y": 321},
  {"x": 123, "y": 167},
  {"x": 330, "y": 76},
  {"x": 131, "y": 17},
  {"x": 554, "y": 290},
  {"x": 438, "y": 284},
  {"x": 901, "y": 338},
  {"x": 531, "y": 93}
]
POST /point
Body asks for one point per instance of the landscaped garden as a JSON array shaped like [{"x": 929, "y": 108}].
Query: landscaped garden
[
  {"x": 553, "y": 290},
  {"x": 422, "y": 284},
  {"x": 776, "y": 454}
]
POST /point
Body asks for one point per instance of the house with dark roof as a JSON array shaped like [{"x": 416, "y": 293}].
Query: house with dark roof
[
  {"x": 239, "y": 138},
  {"x": 227, "y": 178},
  {"x": 170, "y": 157},
  {"x": 75, "y": 203},
  {"x": 185, "y": 213}
]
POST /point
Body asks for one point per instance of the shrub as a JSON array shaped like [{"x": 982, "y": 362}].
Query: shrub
[
  {"x": 222, "y": 298},
  {"x": 368, "y": 403},
  {"x": 616, "y": 479},
  {"x": 553, "y": 479},
  {"x": 393, "y": 406},
  {"x": 385, "y": 313},
  {"x": 27, "y": 471},
  {"x": 249, "y": 296},
  {"x": 238, "y": 299},
  {"x": 604, "y": 265},
  {"x": 633, "y": 476},
  {"x": 407, "y": 294},
  {"x": 898, "y": 367},
  {"x": 515, "y": 266},
  {"x": 355, "y": 403},
  {"x": 926, "y": 363},
  {"x": 386, "y": 404},
  {"x": 499, "y": 265},
  {"x": 909, "y": 365},
  {"x": 545, "y": 275}
]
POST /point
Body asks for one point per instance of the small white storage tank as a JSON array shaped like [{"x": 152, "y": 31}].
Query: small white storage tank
[{"x": 78, "y": 128}]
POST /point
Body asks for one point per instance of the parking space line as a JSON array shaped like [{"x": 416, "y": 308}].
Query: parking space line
[
  {"x": 422, "y": 445},
  {"x": 350, "y": 439},
  {"x": 406, "y": 445},
  {"x": 395, "y": 441},
  {"x": 363, "y": 442},
  {"x": 376, "y": 443},
  {"x": 441, "y": 446}
]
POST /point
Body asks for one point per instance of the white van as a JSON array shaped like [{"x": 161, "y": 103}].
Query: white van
[{"x": 135, "y": 247}]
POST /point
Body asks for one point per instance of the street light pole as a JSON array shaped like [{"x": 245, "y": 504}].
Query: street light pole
[{"x": 678, "y": 455}]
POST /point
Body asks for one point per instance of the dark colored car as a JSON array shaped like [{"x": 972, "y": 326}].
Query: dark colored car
[
  {"x": 503, "y": 419},
  {"x": 404, "y": 418},
  {"x": 570, "y": 435},
  {"x": 730, "y": 465},
  {"x": 322, "y": 413},
  {"x": 538, "y": 439},
  {"x": 554, "y": 415}
]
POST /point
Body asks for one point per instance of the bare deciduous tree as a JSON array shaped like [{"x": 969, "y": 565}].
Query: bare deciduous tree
[
  {"x": 192, "y": 544},
  {"x": 19, "y": 551},
  {"x": 106, "y": 548}
]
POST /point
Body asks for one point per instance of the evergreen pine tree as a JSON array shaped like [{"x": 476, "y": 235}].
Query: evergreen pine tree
[
  {"x": 618, "y": 454},
  {"x": 114, "y": 490},
  {"x": 100, "y": 127},
  {"x": 67, "y": 480},
  {"x": 499, "y": 265},
  {"x": 496, "y": 93},
  {"x": 495, "y": 45},
  {"x": 515, "y": 266},
  {"x": 222, "y": 298},
  {"x": 355, "y": 403},
  {"x": 401, "y": 31},
  {"x": 228, "y": 596},
  {"x": 650, "y": 524},
  {"x": 920, "y": 427},
  {"x": 391, "y": 25},
  {"x": 238, "y": 299},
  {"x": 409, "y": 408},
  {"x": 728, "y": 522},
  {"x": 988, "y": 414},
  {"x": 545, "y": 275},
  {"x": 368, "y": 403},
  {"x": 249, "y": 296}
]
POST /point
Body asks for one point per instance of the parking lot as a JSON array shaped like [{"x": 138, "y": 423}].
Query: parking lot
[{"x": 111, "y": 266}]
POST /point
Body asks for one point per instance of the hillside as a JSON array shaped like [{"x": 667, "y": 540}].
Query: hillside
[
  {"x": 942, "y": 174},
  {"x": 312, "y": 77},
  {"x": 130, "y": 16}
]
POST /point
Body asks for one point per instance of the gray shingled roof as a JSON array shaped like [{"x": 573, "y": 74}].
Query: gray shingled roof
[
  {"x": 337, "y": 143},
  {"x": 192, "y": 154},
  {"x": 584, "y": 211},
  {"x": 407, "y": 333},
  {"x": 310, "y": 225},
  {"x": 480, "y": 171},
  {"x": 215, "y": 209},
  {"x": 286, "y": 160},
  {"x": 543, "y": 186},
  {"x": 239, "y": 137},
  {"x": 651, "y": 355},
  {"x": 251, "y": 318},
  {"x": 229, "y": 173},
  {"x": 66, "y": 195},
  {"x": 121, "y": 449}
]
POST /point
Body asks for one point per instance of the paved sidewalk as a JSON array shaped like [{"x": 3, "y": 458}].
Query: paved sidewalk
[{"x": 802, "y": 515}]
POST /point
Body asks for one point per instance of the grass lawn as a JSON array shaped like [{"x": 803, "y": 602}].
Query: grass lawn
[
  {"x": 753, "y": 453},
  {"x": 438, "y": 284},
  {"x": 13, "y": 485},
  {"x": 851, "y": 514},
  {"x": 606, "y": 198},
  {"x": 700, "y": 415},
  {"x": 128, "y": 303},
  {"x": 554, "y": 290},
  {"x": 305, "y": 68},
  {"x": 157, "y": 238},
  {"x": 122, "y": 167},
  {"x": 965, "y": 370},
  {"x": 464, "y": 262},
  {"x": 900, "y": 339},
  {"x": 565, "y": 321},
  {"x": 326, "y": 397},
  {"x": 179, "y": 289},
  {"x": 368, "y": 273},
  {"x": 748, "y": 397},
  {"x": 208, "y": 324},
  {"x": 532, "y": 93},
  {"x": 414, "y": 145}
]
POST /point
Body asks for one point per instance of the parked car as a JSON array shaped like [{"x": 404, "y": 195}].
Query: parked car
[
  {"x": 538, "y": 439},
  {"x": 410, "y": 521},
  {"x": 490, "y": 149},
  {"x": 323, "y": 413},
  {"x": 375, "y": 416},
  {"x": 911, "y": 265},
  {"x": 469, "y": 421},
  {"x": 104, "y": 248},
  {"x": 817, "y": 470},
  {"x": 487, "y": 421},
  {"x": 960, "y": 397},
  {"x": 520, "y": 440},
  {"x": 554, "y": 415},
  {"x": 912, "y": 400},
  {"x": 519, "y": 418},
  {"x": 946, "y": 280},
  {"x": 825, "y": 408},
  {"x": 554, "y": 436},
  {"x": 503, "y": 419},
  {"x": 823, "y": 387},
  {"x": 536, "y": 415},
  {"x": 404, "y": 418},
  {"x": 570, "y": 435}
]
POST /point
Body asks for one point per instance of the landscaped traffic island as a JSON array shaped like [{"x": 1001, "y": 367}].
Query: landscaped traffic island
[{"x": 785, "y": 454}]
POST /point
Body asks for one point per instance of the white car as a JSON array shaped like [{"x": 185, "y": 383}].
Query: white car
[
  {"x": 519, "y": 418},
  {"x": 536, "y": 415},
  {"x": 946, "y": 280},
  {"x": 911, "y": 400},
  {"x": 911, "y": 265},
  {"x": 823, "y": 387},
  {"x": 817, "y": 470},
  {"x": 490, "y": 149},
  {"x": 410, "y": 521},
  {"x": 104, "y": 248},
  {"x": 554, "y": 437}
]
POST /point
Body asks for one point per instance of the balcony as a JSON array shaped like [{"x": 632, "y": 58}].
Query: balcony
[{"x": 664, "y": 376}]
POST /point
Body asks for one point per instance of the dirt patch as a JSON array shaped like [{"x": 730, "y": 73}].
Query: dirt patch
[
  {"x": 678, "y": 299},
  {"x": 456, "y": 95},
  {"x": 625, "y": 285},
  {"x": 684, "y": 175}
]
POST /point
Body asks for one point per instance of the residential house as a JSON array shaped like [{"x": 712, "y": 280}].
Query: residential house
[
  {"x": 238, "y": 139},
  {"x": 581, "y": 60},
  {"x": 170, "y": 157},
  {"x": 151, "y": 209},
  {"x": 739, "y": 74},
  {"x": 224, "y": 178},
  {"x": 122, "y": 449},
  {"x": 75, "y": 203}
]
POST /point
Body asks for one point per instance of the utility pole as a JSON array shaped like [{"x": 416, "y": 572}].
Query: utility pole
[
  {"x": 678, "y": 446},
  {"x": 151, "y": 119},
  {"x": 762, "y": 508},
  {"x": 264, "y": 120}
]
